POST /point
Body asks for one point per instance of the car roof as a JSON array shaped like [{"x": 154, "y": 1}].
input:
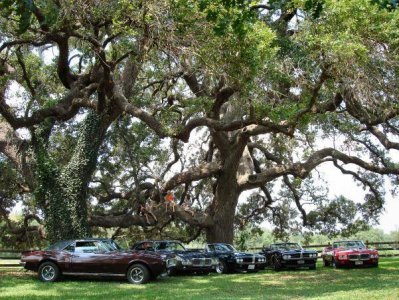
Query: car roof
[
  {"x": 284, "y": 243},
  {"x": 341, "y": 241},
  {"x": 152, "y": 241}
]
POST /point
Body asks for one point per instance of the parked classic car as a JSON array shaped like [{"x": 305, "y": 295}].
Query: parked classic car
[
  {"x": 230, "y": 260},
  {"x": 93, "y": 257},
  {"x": 289, "y": 255},
  {"x": 349, "y": 254},
  {"x": 183, "y": 261}
]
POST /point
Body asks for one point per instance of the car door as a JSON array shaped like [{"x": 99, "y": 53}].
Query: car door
[{"x": 89, "y": 257}]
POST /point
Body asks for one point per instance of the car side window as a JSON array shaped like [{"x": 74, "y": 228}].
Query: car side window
[
  {"x": 86, "y": 247},
  {"x": 219, "y": 248},
  {"x": 145, "y": 246}
]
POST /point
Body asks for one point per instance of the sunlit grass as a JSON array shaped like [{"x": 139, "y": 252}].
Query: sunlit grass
[{"x": 324, "y": 283}]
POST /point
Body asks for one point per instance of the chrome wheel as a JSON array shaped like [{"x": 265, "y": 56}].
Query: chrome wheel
[
  {"x": 137, "y": 275},
  {"x": 48, "y": 272},
  {"x": 220, "y": 268}
]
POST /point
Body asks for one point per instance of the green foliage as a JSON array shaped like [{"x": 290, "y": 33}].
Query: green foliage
[{"x": 22, "y": 9}]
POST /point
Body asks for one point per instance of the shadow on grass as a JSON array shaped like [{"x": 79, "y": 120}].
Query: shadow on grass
[{"x": 324, "y": 283}]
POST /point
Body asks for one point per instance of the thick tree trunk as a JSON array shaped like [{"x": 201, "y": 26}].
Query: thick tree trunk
[
  {"x": 63, "y": 192},
  {"x": 223, "y": 210}
]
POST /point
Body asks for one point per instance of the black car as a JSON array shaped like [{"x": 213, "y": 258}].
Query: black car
[
  {"x": 179, "y": 259},
  {"x": 289, "y": 255},
  {"x": 230, "y": 260}
]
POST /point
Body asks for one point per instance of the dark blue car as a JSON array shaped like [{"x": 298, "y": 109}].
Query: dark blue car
[
  {"x": 231, "y": 260},
  {"x": 289, "y": 255}
]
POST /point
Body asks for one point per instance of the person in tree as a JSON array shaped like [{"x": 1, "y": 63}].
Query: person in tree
[
  {"x": 170, "y": 201},
  {"x": 146, "y": 210},
  {"x": 187, "y": 205}
]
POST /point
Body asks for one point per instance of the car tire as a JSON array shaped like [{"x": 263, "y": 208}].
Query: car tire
[
  {"x": 335, "y": 264},
  {"x": 221, "y": 268},
  {"x": 326, "y": 263},
  {"x": 138, "y": 274},
  {"x": 276, "y": 264},
  {"x": 48, "y": 272},
  {"x": 171, "y": 272}
]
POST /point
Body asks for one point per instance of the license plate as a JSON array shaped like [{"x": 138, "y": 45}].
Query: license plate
[
  {"x": 300, "y": 262},
  {"x": 358, "y": 262},
  {"x": 251, "y": 267}
]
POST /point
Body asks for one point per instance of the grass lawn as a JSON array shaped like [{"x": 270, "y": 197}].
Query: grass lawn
[{"x": 324, "y": 283}]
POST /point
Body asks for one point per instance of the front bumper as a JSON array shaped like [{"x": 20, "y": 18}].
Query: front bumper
[
  {"x": 299, "y": 263},
  {"x": 180, "y": 267},
  {"x": 357, "y": 263},
  {"x": 248, "y": 266}
]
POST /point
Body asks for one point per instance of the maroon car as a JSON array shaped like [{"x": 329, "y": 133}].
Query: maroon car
[
  {"x": 349, "y": 254},
  {"x": 93, "y": 257}
]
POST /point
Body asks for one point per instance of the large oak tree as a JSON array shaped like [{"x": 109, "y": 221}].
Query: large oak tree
[{"x": 112, "y": 92}]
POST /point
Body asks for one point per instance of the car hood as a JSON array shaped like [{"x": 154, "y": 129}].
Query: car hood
[
  {"x": 296, "y": 251},
  {"x": 186, "y": 254},
  {"x": 355, "y": 251},
  {"x": 240, "y": 254}
]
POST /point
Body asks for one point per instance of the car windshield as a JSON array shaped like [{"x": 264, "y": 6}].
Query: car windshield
[
  {"x": 169, "y": 246},
  {"x": 221, "y": 247},
  {"x": 110, "y": 245},
  {"x": 349, "y": 245},
  {"x": 285, "y": 246}
]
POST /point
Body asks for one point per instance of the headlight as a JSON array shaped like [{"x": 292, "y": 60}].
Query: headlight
[
  {"x": 286, "y": 256},
  {"x": 373, "y": 255},
  {"x": 314, "y": 255},
  {"x": 343, "y": 257},
  {"x": 179, "y": 258},
  {"x": 164, "y": 256},
  {"x": 239, "y": 260},
  {"x": 171, "y": 262}
]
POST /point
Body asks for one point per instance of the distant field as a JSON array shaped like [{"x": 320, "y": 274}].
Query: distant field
[{"x": 324, "y": 283}]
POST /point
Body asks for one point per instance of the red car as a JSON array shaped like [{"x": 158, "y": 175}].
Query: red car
[
  {"x": 349, "y": 254},
  {"x": 93, "y": 257}
]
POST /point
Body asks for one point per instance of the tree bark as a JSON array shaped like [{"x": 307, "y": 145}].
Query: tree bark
[{"x": 223, "y": 210}]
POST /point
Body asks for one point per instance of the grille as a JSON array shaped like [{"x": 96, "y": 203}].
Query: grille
[
  {"x": 247, "y": 259},
  {"x": 353, "y": 256},
  {"x": 202, "y": 262},
  {"x": 297, "y": 255},
  {"x": 305, "y": 254},
  {"x": 364, "y": 256}
]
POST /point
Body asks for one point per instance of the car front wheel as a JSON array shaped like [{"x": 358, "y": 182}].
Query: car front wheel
[
  {"x": 138, "y": 274},
  {"x": 276, "y": 263},
  {"x": 326, "y": 263},
  {"x": 335, "y": 264},
  {"x": 221, "y": 268},
  {"x": 48, "y": 272}
]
